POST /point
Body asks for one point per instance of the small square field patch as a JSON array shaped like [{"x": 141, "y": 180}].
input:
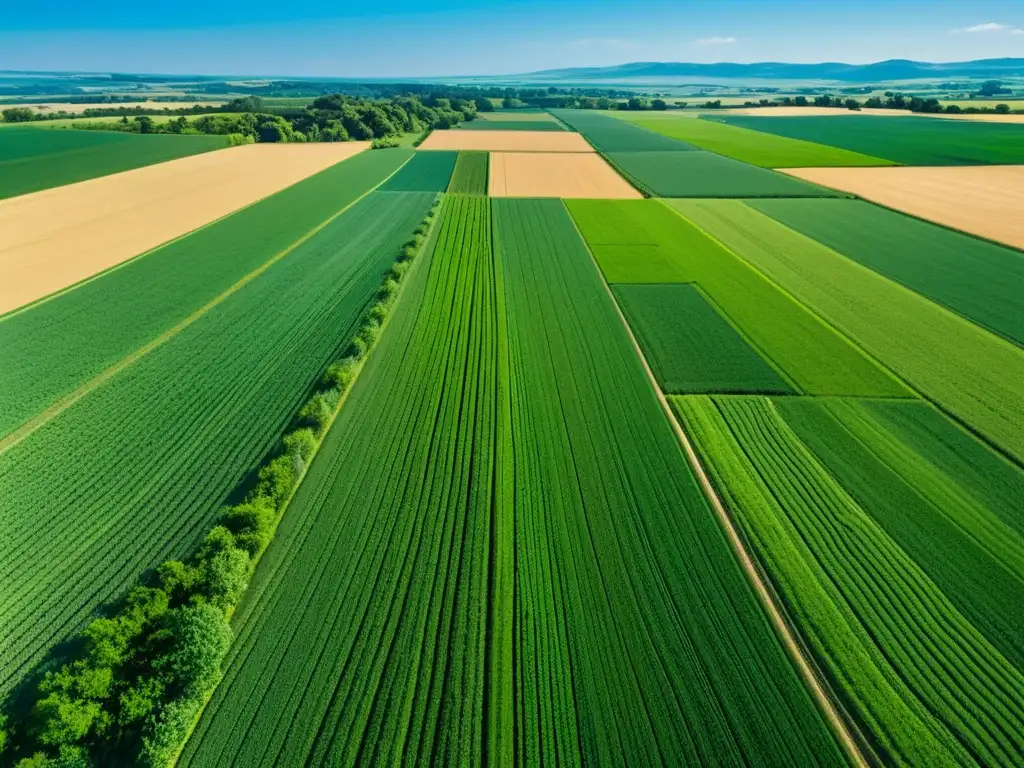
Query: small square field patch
[
  {"x": 547, "y": 174},
  {"x": 508, "y": 141}
]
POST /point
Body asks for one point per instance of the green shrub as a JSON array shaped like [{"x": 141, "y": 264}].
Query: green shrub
[
  {"x": 238, "y": 139},
  {"x": 251, "y": 523},
  {"x": 62, "y": 719},
  {"x": 340, "y": 374},
  {"x": 301, "y": 443},
  {"x": 225, "y": 575},
  {"x": 317, "y": 412},
  {"x": 385, "y": 142},
  {"x": 276, "y": 480}
]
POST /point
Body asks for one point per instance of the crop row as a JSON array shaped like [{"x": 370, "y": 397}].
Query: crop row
[
  {"x": 810, "y": 354},
  {"x": 133, "y": 472},
  {"x": 470, "y": 175},
  {"x": 961, "y": 367},
  {"x": 86, "y": 330},
  {"x": 926, "y": 685},
  {"x": 479, "y": 570},
  {"x": 32, "y": 159}
]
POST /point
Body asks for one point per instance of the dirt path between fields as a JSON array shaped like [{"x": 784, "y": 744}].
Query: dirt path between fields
[{"x": 55, "y": 238}]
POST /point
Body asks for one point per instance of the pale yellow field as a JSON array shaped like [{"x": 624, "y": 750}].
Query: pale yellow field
[
  {"x": 548, "y": 174},
  {"x": 508, "y": 141},
  {"x": 56, "y": 106},
  {"x": 981, "y": 200},
  {"x": 521, "y": 174},
  {"x": 57, "y": 237}
]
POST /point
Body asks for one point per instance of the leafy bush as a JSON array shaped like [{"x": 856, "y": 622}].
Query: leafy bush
[{"x": 385, "y": 142}]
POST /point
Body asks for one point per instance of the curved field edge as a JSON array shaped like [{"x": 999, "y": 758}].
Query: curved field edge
[
  {"x": 215, "y": 577},
  {"x": 560, "y": 684}
]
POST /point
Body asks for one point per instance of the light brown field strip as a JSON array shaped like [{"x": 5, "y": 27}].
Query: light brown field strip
[
  {"x": 55, "y": 238},
  {"x": 982, "y": 200},
  {"x": 508, "y": 141},
  {"x": 548, "y": 174}
]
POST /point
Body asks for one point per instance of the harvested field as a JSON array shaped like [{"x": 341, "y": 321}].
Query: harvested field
[
  {"x": 982, "y": 200},
  {"x": 508, "y": 141},
  {"x": 58, "y": 237},
  {"x": 568, "y": 175}
]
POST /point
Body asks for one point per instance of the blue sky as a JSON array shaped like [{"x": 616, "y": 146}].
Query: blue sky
[{"x": 395, "y": 38}]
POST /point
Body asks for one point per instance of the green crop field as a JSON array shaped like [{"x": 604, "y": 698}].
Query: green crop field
[
  {"x": 959, "y": 366},
  {"x": 982, "y": 281},
  {"x": 906, "y": 140},
  {"x": 425, "y": 172},
  {"x": 516, "y": 588},
  {"x": 705, "y": 174},
  {"x": 470, "y": 174},
  {"x": 33, "y": 159},
  {"x": 101, "y": 322},
  {"x": 497, "y": 124},
  {"x": 134, "y": 470},
  {"x": 756, "y": 148},
  {"x": 690, "y": 347},
  {"x": 810, "y": 354},
  {"x": 865, "y": 580},
  {"x": 610, "y": 135}
]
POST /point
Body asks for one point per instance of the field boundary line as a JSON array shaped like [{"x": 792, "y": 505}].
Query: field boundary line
[
  {"x": 25, "y": 430},
  {"x": 818, "y": 687},
  {"x": 428, "y": 242},
  {"x": 113, "y": 268}
]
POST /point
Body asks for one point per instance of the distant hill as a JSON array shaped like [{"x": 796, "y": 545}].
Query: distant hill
[{"x": 893, "y": 69}]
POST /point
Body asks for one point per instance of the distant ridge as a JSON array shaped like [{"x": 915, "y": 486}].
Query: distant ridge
[{"x": 892, "y": 69}]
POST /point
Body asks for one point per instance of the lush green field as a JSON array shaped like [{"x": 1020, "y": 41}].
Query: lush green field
[
  {"x": 811, "y": 355},
  {"x": 97, "y": 324},
  {"x": 756, "y": 148},
  {"x": 470, "y": 174},
  {"x": 979, "y": 280},
  {"x": 705, "y": 174},
  {"x": 690, "y": 347},
  {"x": 925, "y": 683},
  {"x": 426, "y": 172},
  {"x": 33, "y": 159},
  {"x": 496, "y": 124},
  {"x": 906, "y": 140},
  {"x": 133, "y": 472},
  {"x": 610, "y": 135},
  {"x": 961, "y": 367},
  {"x": 516, "y": 588}
]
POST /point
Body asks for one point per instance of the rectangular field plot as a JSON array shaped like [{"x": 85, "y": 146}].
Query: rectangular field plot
[
  {"x": 507, "y": 141},
  {"x": 425, "y": 172},
  {"x": 547, "y": 174},
  {"x": 705, "y": 174},
  {"x": 966, "y": 370},
  {"x": 497, "y": 124},
  {"x": 470, "y": 174},
  {"x": 133, "y": 472},
  {"x": 39, "y": 158},
  {"x": 900, "y": 577},
  {"x": 510, "y": 115},
  {"x": 55, "y": 238},
  {"x": 986, "y": 201},
  {"x": 478, "y": 570},
  {"x": 904, "y": 140},
  {"x": 690, "y": 347},
  {"x": 611, "y": 135},
  {"x": 764, "y": 150},
  {"x": 668, "y": 248}
]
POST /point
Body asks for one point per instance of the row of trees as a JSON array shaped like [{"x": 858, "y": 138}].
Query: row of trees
[{"x": 139, "y": 678}]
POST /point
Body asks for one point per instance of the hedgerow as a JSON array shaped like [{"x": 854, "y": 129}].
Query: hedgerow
[{"x": 138, "y": 679}]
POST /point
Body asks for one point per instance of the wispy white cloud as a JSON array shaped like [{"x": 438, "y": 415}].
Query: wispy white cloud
[
  {"x": 1017, "y": 31},
  {"x": 715, "y": 40},
  {"x": 990, "y": 26}
]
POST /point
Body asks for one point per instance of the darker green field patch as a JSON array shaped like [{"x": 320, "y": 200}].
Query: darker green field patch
[
  {"x": 691, "y": 348},
  {"x": 906, "y": 140},
  {"x": 511, "y": 125},
  {"x": 425, "y": 172},
  {"x": 37, "y": 158},
  {"x": 982, "y": 281}
]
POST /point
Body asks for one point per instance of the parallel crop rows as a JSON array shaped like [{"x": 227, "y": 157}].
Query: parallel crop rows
[
  {"x": 928, "y": 686},
  {"x": 133, "y": 472},
  {"x": 470, "y": 175},
  {"x": 500, "y": 555}
]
